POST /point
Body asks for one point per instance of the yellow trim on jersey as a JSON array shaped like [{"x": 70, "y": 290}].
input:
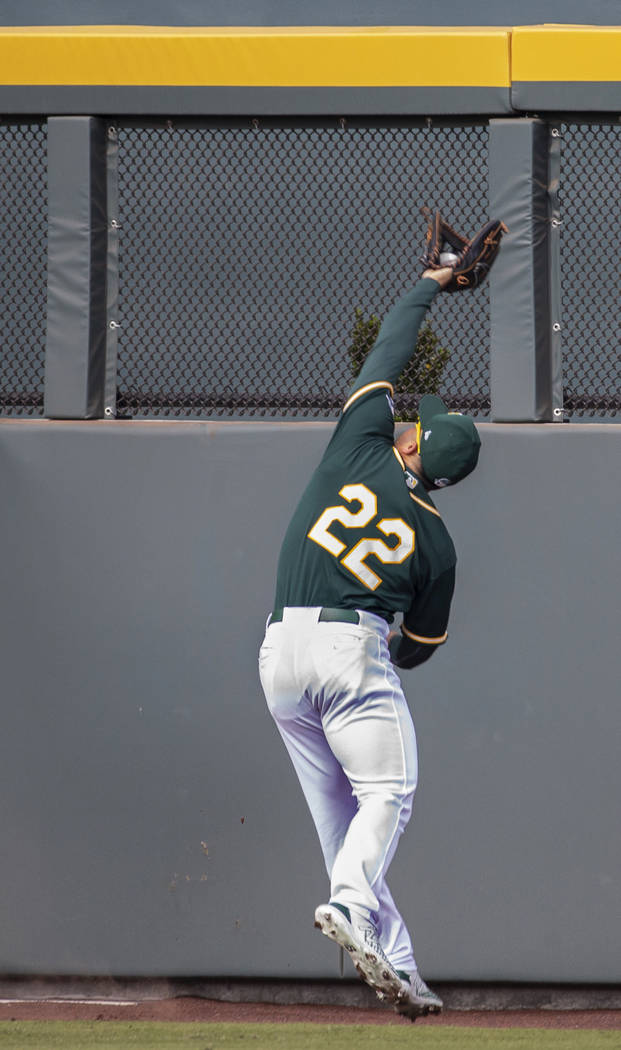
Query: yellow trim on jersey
[
  {"x": 365, "y": 390},
  {"x": 421, "y": 638},
  {"x": 398, "y": 455},
  {"x": 427, "y": 506}
]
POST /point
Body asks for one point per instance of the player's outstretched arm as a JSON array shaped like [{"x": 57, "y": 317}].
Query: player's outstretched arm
[{"x": 397, "y": 336}]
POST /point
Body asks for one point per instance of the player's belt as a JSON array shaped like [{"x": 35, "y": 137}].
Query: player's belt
[{"x": 326, "y": 616}]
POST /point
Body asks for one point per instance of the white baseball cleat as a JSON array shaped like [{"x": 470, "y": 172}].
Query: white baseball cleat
[
  {"x": 416, "y": 999},
  {"x": 359, "y": 937}
]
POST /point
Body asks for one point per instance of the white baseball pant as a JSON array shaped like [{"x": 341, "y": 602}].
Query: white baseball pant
[{"x": 340, "y": 709}]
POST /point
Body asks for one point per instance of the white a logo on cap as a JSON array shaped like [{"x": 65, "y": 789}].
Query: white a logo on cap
[
  {"x": 426, "y": 435},
  {"x": 441, "y": 483}
]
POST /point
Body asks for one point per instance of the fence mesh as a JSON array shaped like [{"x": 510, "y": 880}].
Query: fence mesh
[
  {"x": 247, "y": 246},
  {"x": 23, "y": 267},
  {"x": 590, "y": 194}
]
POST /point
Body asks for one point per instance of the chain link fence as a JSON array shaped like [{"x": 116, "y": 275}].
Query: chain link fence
[
  {"x": 23, "y": 266},
  {"x": 246, "y": 248},
  {"x": 590, "y": 196}
]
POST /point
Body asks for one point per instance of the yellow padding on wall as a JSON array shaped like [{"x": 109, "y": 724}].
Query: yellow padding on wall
[
  {"x": 245, "y": 57},
  {"x": 562, "y": 53}
]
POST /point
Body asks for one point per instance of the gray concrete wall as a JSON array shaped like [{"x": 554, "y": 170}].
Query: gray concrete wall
[
  {"x": 294, "y": 12},
  {"x": 149, "y": 818}
]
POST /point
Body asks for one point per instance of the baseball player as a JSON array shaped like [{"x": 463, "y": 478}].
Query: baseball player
[{"x": 366, "y": 542}]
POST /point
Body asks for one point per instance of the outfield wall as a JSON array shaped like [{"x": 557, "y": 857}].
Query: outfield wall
[
  {"x": 151, "y": 822},
  {"x": 201, "y": 70}
]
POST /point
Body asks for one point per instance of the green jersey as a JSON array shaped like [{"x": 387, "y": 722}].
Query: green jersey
[{"x": 365, "y": 534}]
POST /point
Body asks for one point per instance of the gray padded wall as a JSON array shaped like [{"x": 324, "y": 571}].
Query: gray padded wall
[
  {"x": 525, "y": 360},
  {"x": 295, "y": 12},
  {"x": 149, "y": 818},
  {"x": 76, "y": 268}
]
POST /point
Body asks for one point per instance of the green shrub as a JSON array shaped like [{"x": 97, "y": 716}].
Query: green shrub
[{"x": 422, "y": 375}]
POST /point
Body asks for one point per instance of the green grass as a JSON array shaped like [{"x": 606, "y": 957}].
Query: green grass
[{"x": 151, "y": 1035}]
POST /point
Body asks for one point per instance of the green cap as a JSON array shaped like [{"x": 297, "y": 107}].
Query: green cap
[{"x": 449, "y": 442}]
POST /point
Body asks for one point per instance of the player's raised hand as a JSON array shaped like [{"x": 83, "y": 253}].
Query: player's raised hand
[
  {"x": 470, "y": 258},
  {"x": 442, "y": 276}
]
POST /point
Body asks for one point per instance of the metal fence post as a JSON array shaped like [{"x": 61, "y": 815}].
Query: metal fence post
[
  {"x": 524, "y": 283},
  {"x": 76, "y": 284}
]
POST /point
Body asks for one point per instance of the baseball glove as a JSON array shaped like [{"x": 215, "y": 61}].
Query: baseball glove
[{"x": 470, "y": 259}]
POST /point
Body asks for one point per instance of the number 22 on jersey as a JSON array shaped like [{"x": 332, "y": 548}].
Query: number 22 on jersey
[{"x": 355, "y": 559}]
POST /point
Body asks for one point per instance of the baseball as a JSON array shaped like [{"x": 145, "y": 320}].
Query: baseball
[{"x": 448, "y": 258}]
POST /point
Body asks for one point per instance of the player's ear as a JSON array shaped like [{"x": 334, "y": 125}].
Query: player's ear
[{"x": 408, "y": 441}]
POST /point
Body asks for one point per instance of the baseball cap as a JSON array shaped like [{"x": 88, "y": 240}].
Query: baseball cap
[{"x": 449, "y": 442}]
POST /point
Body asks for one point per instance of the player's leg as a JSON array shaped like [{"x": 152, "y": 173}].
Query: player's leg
[
  {"x": 369, "y": 729},
  {"x": 332, "y": 805},
  {"x": 416, "y": 998},
  {"x": 394, "y": 933},
  {"x": 286, "y": 685},
  {"x": 326, "y": 789},
  {"x": 373, "y": 738}
]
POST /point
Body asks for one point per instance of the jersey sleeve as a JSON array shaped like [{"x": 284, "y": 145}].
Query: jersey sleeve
[
  {"x": 425, "y": 623},
  {"x": 367, "y": 411},
  {"x": 397, "y": 336}
]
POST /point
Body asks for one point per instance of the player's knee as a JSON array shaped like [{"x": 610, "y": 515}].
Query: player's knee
[{"x": 399, "y": 797}]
